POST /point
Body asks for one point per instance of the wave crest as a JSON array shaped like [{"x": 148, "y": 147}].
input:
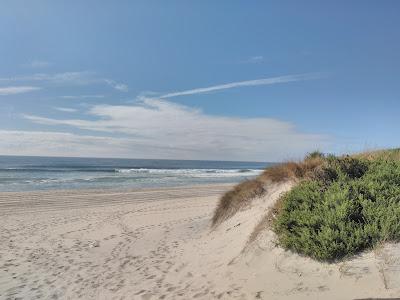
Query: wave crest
[{"x": 193, "y": 172}]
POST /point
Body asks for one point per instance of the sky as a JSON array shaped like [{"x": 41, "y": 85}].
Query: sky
[{"x": 213, "y": 80}]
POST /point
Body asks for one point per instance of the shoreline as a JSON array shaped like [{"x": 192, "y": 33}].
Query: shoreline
[
  {"x": 121, "y": 190},
  {"x": 53, "y": 200}
]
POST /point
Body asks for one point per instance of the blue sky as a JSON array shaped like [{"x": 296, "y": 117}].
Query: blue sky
[{"x": 234, "y": 80}]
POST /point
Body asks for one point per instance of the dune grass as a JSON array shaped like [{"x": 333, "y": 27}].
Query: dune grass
[
  {"x": 351, "y": 204},
  {"x": 388, "y": 154},
  {"x": 242, "y": 194},
  {"x": 235, "y": 199}
]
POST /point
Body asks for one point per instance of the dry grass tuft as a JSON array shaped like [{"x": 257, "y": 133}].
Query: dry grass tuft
[
  {"x": 292, "y": 170},
  {"x": 388, "y": 154},
  {"x": 235, "y": 199},
  {"x": 242, "y": 194}
]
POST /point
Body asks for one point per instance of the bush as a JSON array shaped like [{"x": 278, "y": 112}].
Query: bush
[{"x": 351, "y": 204}]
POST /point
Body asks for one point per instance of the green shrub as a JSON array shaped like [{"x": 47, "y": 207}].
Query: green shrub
[{"x": 350, "y": 205}]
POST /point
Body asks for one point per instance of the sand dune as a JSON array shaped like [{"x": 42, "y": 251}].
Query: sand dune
[{"x": 157, "y": 244}]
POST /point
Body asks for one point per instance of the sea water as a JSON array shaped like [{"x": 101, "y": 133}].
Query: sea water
[{"x": 22, "y": 173}]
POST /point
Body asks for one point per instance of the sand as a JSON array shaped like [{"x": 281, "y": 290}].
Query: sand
[{"x": 158, "y": 244}]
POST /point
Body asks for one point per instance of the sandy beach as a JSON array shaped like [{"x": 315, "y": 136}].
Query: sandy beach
[
  {"x": 158, "y": 244},
  {"x": 98, "y": 244}
]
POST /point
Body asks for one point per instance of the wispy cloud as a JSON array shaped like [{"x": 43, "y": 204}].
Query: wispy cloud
[
  {"x": 37, "y": 64},
  {"x": 255, "y": 59},
  {"x": 68, "y": 78},
  {"x": 121, "y": 87},
  {"x": 13, "y": 90},
  {"x": 159, "y": 128},
  {"x": 81, "y": 77},
  {"x": 118, "y": 86},
  {"x": 263, "y": 81},
  {"x": 19, "y": 142},
  {"x": 66, "y": 109},
  {"x": 154, "y": 127},
  {"x": 81, "y": 96}
]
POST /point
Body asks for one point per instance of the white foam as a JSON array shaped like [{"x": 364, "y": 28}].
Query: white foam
[{"x": 194, "y": 172}]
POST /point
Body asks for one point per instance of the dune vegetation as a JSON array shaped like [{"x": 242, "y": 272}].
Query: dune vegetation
[
  {"x": 242, "y": 194},
  {"x": 338, "y": 207}
]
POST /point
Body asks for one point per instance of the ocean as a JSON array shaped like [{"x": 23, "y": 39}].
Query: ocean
[{"x": 23, "y": 173}]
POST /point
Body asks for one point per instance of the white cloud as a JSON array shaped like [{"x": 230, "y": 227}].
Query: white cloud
[
  {"x": 79, "y": 78},
  {"x": 263, "y": 81},
  {"x": 68, "y": 78},
  {"x": 121, "y": 87},
  {"x": 14, "y": 142},
  {"x": 82, "y": 96},
  {"x": 161, "y": 129},
  {"x": 255, "y": 59},
  {"x": 118, "y": 86},
  {"x": 65, "y": 109},
  {"x": 13, "y": 90},
  {"x": 38, "y": 64}
]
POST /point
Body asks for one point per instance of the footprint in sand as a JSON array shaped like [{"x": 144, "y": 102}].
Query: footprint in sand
[{"x": 146, "y": 296}]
